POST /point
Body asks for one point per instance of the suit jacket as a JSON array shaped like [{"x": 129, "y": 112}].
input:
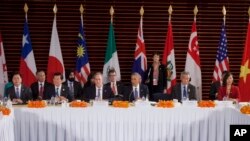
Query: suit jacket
[
  {"x": 25, "y": 93},
  {"x": 90, "y": 93},
  {"x": 130, "y": 94},
  {"x": 77, "y": 89},
  {"x": 214, "y": 89},
  {"x": 64, "y": 92},
  {"x": 234, "y": 93},
  {"x": 177, "y": 94},
  {"x": 120, "y": 87},
  {"x": 35, "y": 90}
]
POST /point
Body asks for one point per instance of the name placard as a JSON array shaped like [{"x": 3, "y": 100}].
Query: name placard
[
  {"x": 100, "y": 103},
  {"x": 192, "y": 103}
]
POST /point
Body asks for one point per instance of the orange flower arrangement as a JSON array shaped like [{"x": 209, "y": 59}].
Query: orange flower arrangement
[
  {"x": 5, "y": 110},
  {"x": 120, "y": 104},
  {"x": 245, "y": 109},
  {"x": 78, "y": 104},
  {"x": 206, "y": 103},
  {"x": 165, "y": 104},
  {"x": 37, "y": 104}
]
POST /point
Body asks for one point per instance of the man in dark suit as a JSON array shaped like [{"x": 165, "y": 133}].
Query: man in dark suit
[
  {"x": 75, "y": 88},
  {"x": 18, "y": 93},
  {"x": 117, "y": 87},
  {"x": 98, "y": 91},
  {"x": 40, "y": 88},
  {"x": 136, "y": 90},
  {"x": 58, "y": 90},
  {"x": 184, "y": 90}
]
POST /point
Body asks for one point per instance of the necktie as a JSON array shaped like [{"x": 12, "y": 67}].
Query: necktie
[
  {"x": 71, "y": 88},
  {"x": 41, "y": 90},
  {"x": 17, "y": 93},
  {"x": 184, "y": 92},
  {"x": 57, "y": 91},
  {"x": 136, "y": 94},
  {"x": 99, "y": 93},
  {"x": 113, "y": 88}
]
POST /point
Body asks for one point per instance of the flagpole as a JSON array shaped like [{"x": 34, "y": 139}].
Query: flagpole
[
  {"x": 195, "y": 12},
  {"x": 111, "y": 13},
  {"x": 81, "y": 12},
  {"x": 26, "y": 9},
  {"x": 224, "y": 12},
  {"x": 170, "y": 10}
]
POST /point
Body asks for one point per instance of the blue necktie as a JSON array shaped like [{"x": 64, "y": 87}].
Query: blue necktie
[
  {"x": 136, "y": 94},
  {"x": 99, "y": 93},
  {"x": 57, "y": 91},
  {"x": 17, "y": 93},
  {"x": 184, "y": 92}
]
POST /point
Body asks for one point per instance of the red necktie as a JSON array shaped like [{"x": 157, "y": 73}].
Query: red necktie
[
  {"x": 113, "y": 88},
  {"x": 41, "y": 90}
]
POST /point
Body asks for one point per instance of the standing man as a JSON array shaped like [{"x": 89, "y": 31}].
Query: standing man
[
  {"x": 75, "y": 88},
  {"x": 18, "y": 93},
  {"x": 136, "y": 90},
  {"x": 40, "y": 88},
  {"x": 98, "y": 90},
  {"x": 116, "y": 86},
  {"x": 58, "y": 90},
  {"x": 184, "y": 90}
]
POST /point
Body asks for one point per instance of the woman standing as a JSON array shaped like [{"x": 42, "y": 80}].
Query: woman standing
[{"x": 156, "y": 76}]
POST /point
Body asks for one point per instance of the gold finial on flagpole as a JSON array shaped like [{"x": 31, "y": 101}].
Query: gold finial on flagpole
[
  {"x": 224, "y": 13},
  {"x": 170, "y": 10},
  {"x": 249, "y": 11},
  {"x": 55, "y": 9},
  {"x": 26, "y": 8},
  {"x": 195, "y": 10},
  {"x": 141, "y": 11},
  {"x": 111, "y": 11},
  {"x": 81, "y": 9}
]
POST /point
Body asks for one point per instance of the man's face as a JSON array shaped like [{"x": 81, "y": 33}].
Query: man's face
[
  {"x": 185, "y": 79},
  {"x": 57, "y": 81},
  {"x": 17, "y": 80},
  {"x": 98, "y": 80},
  {"x": 72, "y": 75},
  {"x": 156, "y": 58},
  {"x": 41, "y": 76},
  {"x": 112, "y": 77},
  {"x": 135, "y": 80}
]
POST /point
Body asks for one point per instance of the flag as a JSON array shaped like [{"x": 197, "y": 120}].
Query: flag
[
  {"x": 222, "y": 61},
  {"x": 55, "y": 62},
  {"x": 82, "y": 61},
  {"x": 3, "y": 68},
  {"x": 193, "y": 61},
  {"x": 169, "y": 59},
  {"x": 27, "y": 63},
  {"x": 111, "y": 56},
  {"x": 244, "y": 81},
  {"x": 140, "y": 62}
]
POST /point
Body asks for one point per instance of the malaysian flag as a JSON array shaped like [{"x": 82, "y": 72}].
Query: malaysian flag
[
  {"x": 82, "y": 61},
  {"x": 140, "y": 62},
  {"x": 222, "y": 62}
]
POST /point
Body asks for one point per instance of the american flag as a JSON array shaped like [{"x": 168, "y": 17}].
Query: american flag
[
  {"x": 140, "y": 62},
  {"x": 82, "y": 61},
  {"x": 222, "y": 62}
]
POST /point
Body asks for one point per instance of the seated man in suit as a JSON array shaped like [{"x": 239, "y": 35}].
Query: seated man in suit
[
  {"x": 98, "y": 91},
  {"x": 58, "y": 90},
  {"x": 40, "y": 88},
  {"x": 75, "y": 88},
  {"x": 136, "y": 90},
  {"x": 184, "y": 90},
  {"x": 117, "y": 87},
  {"x": 215, "y": 87},
  {"x": 18, "y": 93}
]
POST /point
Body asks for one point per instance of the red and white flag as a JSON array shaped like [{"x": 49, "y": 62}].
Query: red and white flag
[
  {"x": 169, "y": 58},
  {"x": 3, "y": 68},
  {"x": 55, "y": 63},
  {"x": 193, "y": 61},
  {"x": 27, "y": 62}
]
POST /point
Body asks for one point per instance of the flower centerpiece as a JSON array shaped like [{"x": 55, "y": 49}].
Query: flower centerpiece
[
  {"x": 245, "y": 109},
  {"x": 78, "y": 103},
  {"x": 120, "y": 104},
  {"x": 37, "y": 104},
  {"x": 5, "y": 110},
  {"x": 165, "y": 104},
  {"x": 206, "y": 103}
]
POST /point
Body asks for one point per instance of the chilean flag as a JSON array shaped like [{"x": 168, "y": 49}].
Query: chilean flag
[
  {"x": 27, "y": 63},
  {"x": 55, "y": 63}
]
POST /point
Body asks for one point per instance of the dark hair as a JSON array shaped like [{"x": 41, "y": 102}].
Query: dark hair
[
  {"x": 156, "y": 53},
  {"x": 40, "y": 71},
  {"x": 58, "y": 74},
  {"x": 111, "y": 71},
  {"x": 224, "y": 80},
  {"x": 68, "y": 72},
  {"x": 16, "y": 73}
]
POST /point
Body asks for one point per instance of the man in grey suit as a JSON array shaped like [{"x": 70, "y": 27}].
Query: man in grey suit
[{"x": 184, "y": 90}]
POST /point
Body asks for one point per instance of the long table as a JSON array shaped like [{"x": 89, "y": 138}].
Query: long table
[
  {"x": 126, "y": 124},
  {"x": 7, "y": 128}
]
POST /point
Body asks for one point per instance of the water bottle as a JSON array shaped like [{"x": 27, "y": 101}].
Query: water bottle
[
  {"x": 5, "y": 100},
  {"x": 53, "y": 101}
]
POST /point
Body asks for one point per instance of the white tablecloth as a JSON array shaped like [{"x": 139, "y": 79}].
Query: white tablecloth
[
  {"x": 131, "y": 124},
  {"x": 7, "y": 128}
]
